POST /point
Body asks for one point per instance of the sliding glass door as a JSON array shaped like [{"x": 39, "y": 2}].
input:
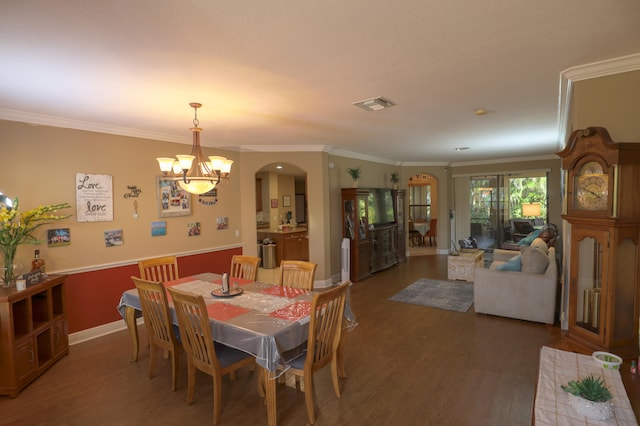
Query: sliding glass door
[{"x": 496, "y": 200}]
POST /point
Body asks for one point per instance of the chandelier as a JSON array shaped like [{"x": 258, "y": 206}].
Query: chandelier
[{"x": 195, "y": 173}]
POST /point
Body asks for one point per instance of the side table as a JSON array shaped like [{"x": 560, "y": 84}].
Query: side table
[{"x": 463, "y": 266}]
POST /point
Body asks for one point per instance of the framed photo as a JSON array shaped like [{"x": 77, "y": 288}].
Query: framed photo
[
  {"x": 172, "y": 199},
  {"x": 58, "y": 237},
  {"x": 286, "y": 201},
  {"x": 274, "y": 203}
]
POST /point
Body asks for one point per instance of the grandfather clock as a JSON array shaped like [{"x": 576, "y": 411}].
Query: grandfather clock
[{"x": 602, "y": 204}]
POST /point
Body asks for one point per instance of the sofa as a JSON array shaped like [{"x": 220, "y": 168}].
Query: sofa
[{"x": 522, "y": 295}]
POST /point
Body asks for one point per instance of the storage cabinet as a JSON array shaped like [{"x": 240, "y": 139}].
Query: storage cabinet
[
  {"x": 33, "y": 330},
  {"x": 372, "y": 248},
  {"x": 384, "y": 252},
  {"x": 290, "y": 244}
]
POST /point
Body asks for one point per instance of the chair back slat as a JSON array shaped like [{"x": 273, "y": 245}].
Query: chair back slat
[
  {"x": 297, "y": 274},
  {"x": 245, "y": 267},
  {"x": 159, "y": 269}
]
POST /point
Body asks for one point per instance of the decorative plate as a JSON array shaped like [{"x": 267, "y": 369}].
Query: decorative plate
[{"x": 232, "y": 292}]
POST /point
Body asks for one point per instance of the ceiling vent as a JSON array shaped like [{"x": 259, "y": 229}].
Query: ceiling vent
[{"x": 374, "y": 104}]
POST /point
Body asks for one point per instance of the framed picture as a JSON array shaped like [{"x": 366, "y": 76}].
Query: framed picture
[
  {"x": 286, "y": 201},
  {"x": 172, "y": 199},
  {"x": 274, "y": 203}
]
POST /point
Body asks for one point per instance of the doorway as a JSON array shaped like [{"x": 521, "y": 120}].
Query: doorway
[{"x": 422, "y": 215}]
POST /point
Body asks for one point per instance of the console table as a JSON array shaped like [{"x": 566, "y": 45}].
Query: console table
[
  {"x": 552, "y": 404},
  {"x": 463, "y": 266}
]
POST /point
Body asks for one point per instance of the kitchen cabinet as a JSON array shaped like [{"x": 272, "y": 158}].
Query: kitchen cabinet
[{"x": 291, "y": 244}]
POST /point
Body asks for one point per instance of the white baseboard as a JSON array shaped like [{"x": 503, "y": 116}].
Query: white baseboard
[{"x": 99, "y": 331}]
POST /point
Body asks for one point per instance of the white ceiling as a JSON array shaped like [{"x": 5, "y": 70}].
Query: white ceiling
[{"x": 286, "y": 72}]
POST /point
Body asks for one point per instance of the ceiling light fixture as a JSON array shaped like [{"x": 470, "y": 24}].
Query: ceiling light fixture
[
  {"x": 374, "y": 104},
  {"x": 479, "y": 111},
  {"x": 462, "y": 148},
  {"x": 194, "y": 173}
]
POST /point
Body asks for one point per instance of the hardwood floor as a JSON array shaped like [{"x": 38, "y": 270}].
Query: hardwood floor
[{"x": 406, "y": 365}]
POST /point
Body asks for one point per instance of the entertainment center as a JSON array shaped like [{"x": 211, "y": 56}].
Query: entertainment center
[{"x": 373, "y": 221}]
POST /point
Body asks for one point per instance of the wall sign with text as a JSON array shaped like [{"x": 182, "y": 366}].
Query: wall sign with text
[{"x": 94, "y": 198}]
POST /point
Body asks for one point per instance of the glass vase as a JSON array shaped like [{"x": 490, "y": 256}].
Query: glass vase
[{"x": 11, "y": 269}]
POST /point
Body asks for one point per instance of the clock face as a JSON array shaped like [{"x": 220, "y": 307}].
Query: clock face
[{"x": 592, "y": 192}]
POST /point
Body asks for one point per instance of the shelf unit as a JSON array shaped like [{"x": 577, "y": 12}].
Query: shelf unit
[
  {"x": 33, "y": 332},
  {"x": 372, "y": 248}
]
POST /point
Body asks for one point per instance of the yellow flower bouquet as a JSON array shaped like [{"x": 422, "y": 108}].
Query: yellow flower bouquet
[{"x": 17, "y": 228}]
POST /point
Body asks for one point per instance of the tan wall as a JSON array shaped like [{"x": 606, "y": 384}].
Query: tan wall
[
  {"x": 315, "y": 166},
  {"x": 611, "y": 102},
  {"x": 39, "y": 165}
]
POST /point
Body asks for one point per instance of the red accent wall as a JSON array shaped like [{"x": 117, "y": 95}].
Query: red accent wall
[{"x": 92, "y": 297}]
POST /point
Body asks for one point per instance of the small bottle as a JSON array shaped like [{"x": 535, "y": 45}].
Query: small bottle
[
  {"x": 225, "y": 283},
  {"x": 37, "y": 264},
  {"x": 634, "y": 367}
]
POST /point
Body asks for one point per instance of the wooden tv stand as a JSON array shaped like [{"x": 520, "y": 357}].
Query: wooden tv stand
[{"x": 33, "y": 332}]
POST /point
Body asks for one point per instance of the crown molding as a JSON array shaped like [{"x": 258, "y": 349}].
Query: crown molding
[
  {"x": 54, "y": 121},
  {"x": 505, "y": 160},
  {"x": 584, "y": 72},
  {"x": 363, "y": 157}
]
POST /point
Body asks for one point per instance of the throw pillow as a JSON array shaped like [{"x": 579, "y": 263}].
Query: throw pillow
[
  {"x": 533, "y": 260},
  {"x": 526, "y": 241},
  {"x": 540, "y": 244},
  {"x": 513, "y": 264}
]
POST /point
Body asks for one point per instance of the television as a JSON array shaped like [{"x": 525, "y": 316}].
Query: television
[{"x": 380, "y": 206}]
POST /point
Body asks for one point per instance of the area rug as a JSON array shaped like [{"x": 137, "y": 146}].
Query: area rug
[{"x": 448, "y": 295}]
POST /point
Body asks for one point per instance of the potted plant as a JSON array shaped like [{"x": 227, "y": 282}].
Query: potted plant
[
  {"x": 355, "y": 175},
  {"x": 394, "y": 180},
  {"x": 590, "y": 397}
]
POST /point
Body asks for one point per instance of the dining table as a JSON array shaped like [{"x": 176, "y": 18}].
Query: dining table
[
  {"x": 262, "y": 319},
  {"x": 422, "y": 228}
]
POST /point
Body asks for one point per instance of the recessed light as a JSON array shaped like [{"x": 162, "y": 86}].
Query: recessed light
[
  {"x": 479, "y": 111},
  {"x": 278, "y": 167},
  {"x": 462, "y": 148}
]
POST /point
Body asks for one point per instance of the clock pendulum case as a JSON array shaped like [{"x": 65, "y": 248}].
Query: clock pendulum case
[{"x": 602, "y": 207}]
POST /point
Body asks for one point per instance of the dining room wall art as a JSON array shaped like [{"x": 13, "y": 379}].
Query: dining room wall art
[
  {"x": 158, "y": 229},
  {"x": 172, "y": 199},
  {"x": 94, "y": 197},
  {"x": 222, "y": 223},
  {"x": 194, "y": 229},
  {"x": 113, "y": 238},
  {"x": 58, "y": 237}
]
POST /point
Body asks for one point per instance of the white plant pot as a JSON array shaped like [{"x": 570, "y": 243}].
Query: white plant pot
[
  {"x": 592, "y": 410},
  {"x": 354, "y": 184}
]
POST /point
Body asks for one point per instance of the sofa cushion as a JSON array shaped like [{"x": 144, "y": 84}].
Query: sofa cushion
[
  {"x": 534, "y": 260},
  {"x": 513, "y": 264},
  {"x": 540, "y": 244},
  {"x": 526, "y": 241}
]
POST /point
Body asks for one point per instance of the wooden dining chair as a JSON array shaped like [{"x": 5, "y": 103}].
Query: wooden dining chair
[
  {"x": 157, "y": 321},
  {"x": 245, "y": 267},
  {"x": 431, "y": 233},
  {"x": 159, "y": 269},
  {"x": 297, "y": 274},
  {"x": 203, "y": 354},
  {"x": 325, "y": 331}
]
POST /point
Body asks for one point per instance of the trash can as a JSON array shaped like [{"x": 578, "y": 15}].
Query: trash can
[
  {"x": 269, "y": 256},
  {"x": 259, "y": 255}
]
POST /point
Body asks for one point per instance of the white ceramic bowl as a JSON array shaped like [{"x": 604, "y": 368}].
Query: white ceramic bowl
[{"x": 607, "y": 360}]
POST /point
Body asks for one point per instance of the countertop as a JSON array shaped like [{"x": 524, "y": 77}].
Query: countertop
[{"x": 282, "y": 231}]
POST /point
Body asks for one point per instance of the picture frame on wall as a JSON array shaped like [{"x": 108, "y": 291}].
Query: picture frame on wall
[
  {"x": 172, "y": 199},
  {"x": 286, "y": 201}
]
